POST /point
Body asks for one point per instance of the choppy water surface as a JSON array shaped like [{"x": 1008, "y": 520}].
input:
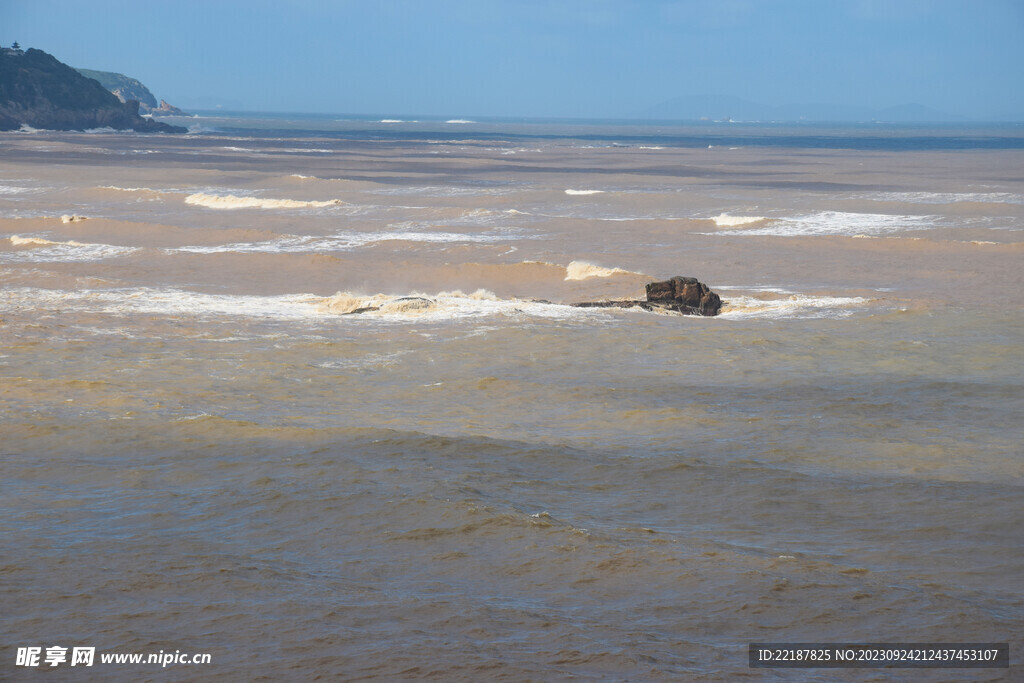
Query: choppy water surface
[{"x": 205, "y": 450}]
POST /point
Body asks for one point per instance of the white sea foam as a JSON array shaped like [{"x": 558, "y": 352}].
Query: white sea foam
[
  {"x": 472, "y": 217},
  {"x": 117, "y": 188},
  {"x": 440, "y": 191},
  {"x": 792, "y": 306},
  {"x": 584, "y": 192},
  {"x": 727, "y": 221},
  {"x": 757, "y": 288},
  {"x": 42, "y": 250},
  {"x": 373, "y": 360},
  {"x": 588, "y": 213},
  {"x": 459, "y": 121},
  {"x": 416, "y": 307},
  {"x": 339, "y": 242},
  {"x": 230, "y": 201},
  {"x": 837, "y": 223},
  {"x": 72, "y": 218},
  {"x": 146, "y": 193},
  {"x": 446, "y": 306},
  {"x": 168, "y": 302},
  {"x": 945, "y": 197},
  {"x": 581, "y": 270}
]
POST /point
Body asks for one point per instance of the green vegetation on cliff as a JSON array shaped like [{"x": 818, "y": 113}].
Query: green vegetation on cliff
[{"x": 125, "y": 87}]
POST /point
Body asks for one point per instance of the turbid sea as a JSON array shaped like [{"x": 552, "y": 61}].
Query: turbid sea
[{"x": 307, "y": 395}]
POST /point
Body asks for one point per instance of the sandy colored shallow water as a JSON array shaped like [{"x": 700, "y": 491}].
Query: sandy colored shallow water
[{"x": 202, "y": 451}]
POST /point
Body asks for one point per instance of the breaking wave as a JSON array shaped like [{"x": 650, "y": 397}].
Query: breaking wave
[
  {"x": 946, "y": 197},
  {"x": 726, "y": 221},
  {"x": 339, "y": 242},
  {"x": 837, "y": 223},
  {"x": 168, "y": 301},
  {"x": 445, "y": 191},
  {"x": 142, "y": 190},
  {"x": 230, "y": 201},
  {"x": 41, "y": 250},
  {"x": 581, "y": 270},
  {"x": 37, "y": 241},
  {"x": 791, "y": 306},
  {"x": 584, "y": 192}
]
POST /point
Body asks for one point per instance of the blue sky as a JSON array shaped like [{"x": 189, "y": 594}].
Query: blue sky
[{"x": 533, "y": 58}]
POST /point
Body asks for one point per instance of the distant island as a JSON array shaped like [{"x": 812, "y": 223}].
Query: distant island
[{"x": 38, "y": 90}]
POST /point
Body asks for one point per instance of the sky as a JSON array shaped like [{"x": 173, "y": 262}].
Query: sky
[{"x": 544, "y": 59}]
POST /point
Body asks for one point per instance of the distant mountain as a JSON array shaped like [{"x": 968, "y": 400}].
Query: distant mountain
[
  {"x": 40, "y": 91},
  {"x": 726, "y": 108},
  {"x": 127, "y": 88},
  {"x": 124, "y": 87}
]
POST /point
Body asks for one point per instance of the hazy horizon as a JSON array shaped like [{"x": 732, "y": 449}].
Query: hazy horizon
[{"x": 950, "y": 60}]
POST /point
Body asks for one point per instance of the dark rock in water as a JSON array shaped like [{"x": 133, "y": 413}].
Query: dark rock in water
[
  {"x": 167, "y": 109},
  {"x": 362, "y": 309},
  {"x": 684, "y": 295}
]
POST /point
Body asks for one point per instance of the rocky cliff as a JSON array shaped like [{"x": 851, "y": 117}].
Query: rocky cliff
[
  {"x": 126, "y": 88},
  {"x": 166, "y": 109},
  {"x": 38, "y": 90}
]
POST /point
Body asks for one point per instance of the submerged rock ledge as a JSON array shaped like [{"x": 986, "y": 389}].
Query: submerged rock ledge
[{"x": 685, "y": 295}]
